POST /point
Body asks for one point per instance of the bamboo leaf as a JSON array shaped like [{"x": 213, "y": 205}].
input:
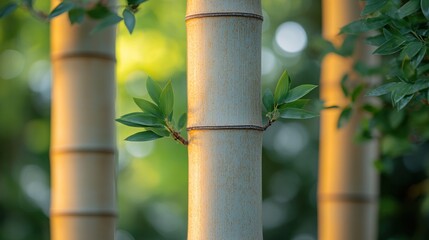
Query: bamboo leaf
[
  {"x": 343, "y": 85},
  {"x": 391, "y": 46},
  {"x": 129, "y": 20},
  {"x": 143, "y": 136},
  {"x": 404, "y": 101},
  {"x": 140, "y": 120},
  {"x": 182, "y": 121},
  {"x": 408, "y": 8},
  {"x": 300, "y": 103},
  {"x": 282, "y": 88},
  {"x": 76, "y": 15},
  {"x": 166, "y": 100},
  {"x": 148, "y": 107},
  {"x": 381, "y": 90},
  {"x": 99, "y": 11},
  {"x": 159, "y": 131},
  {"x": 268, "y": 100},
  {"x": 107, "y": 22},
  {"x": 372, "y": 6},
  {"x": 424, "y": 4},
  {"x": 420, "y": 56},
  {"x": 356, "y": 93},
  {"x": 135, "y": 2},
  {"x": 8, "y": 9},
  {"x": 61, "y": 8},
  {"x": 299, "y": 92},
  {"x": 154, "y": 90},
  {"x": 296, "y": 113},
  {"x": 411, "y": 49},
  {"x": 344, "y": 117}
]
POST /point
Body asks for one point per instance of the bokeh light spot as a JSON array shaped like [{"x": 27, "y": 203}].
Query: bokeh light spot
[{"x": 291, "y": 37}]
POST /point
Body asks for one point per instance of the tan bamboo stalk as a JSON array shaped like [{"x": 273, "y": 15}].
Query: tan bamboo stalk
[
  {"x": 224, "y": 119},
  {"x": 348, "y": 184},
  {"x": 83, "y": 135}
]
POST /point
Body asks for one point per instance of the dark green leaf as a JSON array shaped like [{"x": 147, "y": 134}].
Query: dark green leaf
[
  {"x": 422, "y": 53},
  {"x": 408, "y": 8},
  {"x": 61, "y": 8},
  {"x": 411, "y": 49},
  {"x": 372, "y": 6},
  {"x": 348, "y": 46},
  {"x": 148, "y": 107},
  {"x": 424, "y": 4},
  {"x": 370, "y": 108},
  {"x": 344, "y": 117},
  {"x": 140, "y": 119},
  {"x": 154, "y": 90},
  {"x": 76, "y": 15},
  {"x": 299, "y": 92},
  {"x": 129, "y": 20},
  {"x": 8, "y": 9},
  {"x": 28, "y": 3},
  {"x": 376, "y": 40},
  {"x": 159, "y": 131},
  {"x": 356, "y": 93},
  {"x": 282, "y": 88},
  {"x": 390, "y": 46},
  {"x": 296, "y": 113},
  {"x": 300, "y": 103},
  {"x": 182, "y": 121},
  {"x": 107, "y": 22},
  {"x": 404, "y": 101},
  {"x": 381, "y": 90},
  {"x": 135, "y": 2},
  {"x": 166, "y": 100},
  {"x": 343, "y": 85},
  {"x": 143, "y": 136},
  {"x": 100, "y": 11},
  {"x": 268, "y": 100},
  {"x": 355, "y": 27}
]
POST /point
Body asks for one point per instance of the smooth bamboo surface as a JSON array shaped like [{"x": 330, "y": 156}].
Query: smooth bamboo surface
[
  {"x": 348, "y": 183},
  {"x": 224, "y": 54},
  {"x": 83, "y": 201}
]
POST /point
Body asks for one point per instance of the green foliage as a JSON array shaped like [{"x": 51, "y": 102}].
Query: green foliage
[
  {"x": 156, "y": 116},
  {"x": 287, "y": 103},
  {"x": 8, "y": 9}
]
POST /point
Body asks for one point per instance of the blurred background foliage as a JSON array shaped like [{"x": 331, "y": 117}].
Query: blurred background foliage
[{"x": 152, "y": 176}]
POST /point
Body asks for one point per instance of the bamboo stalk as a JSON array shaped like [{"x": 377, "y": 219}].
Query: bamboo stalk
[
  {"x": 83, "y": 204},
  {"x": 224, "y": 53},
  {"x": 348, "y": 183}
]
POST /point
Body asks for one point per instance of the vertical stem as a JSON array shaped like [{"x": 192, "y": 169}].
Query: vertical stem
[
  {"x": 83, "y": 133},
  {"x": 224, "y": 47},
  {"x": 348, "y": 183}
]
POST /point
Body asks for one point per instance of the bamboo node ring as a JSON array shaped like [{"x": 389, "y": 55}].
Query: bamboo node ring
[
  {"x": 224, "y": 14},
  {"x": 88, "y": 55},
  {"x": 227, "y": 127}
]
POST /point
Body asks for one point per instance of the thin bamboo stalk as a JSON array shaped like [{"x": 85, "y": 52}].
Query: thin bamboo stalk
[
  {"x": 224, "y": 47},
  {"x": 348, "y": 183},
  {"x": 83, "y": 204}
]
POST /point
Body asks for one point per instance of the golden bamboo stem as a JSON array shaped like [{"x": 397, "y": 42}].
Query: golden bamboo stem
[
  {"x": 83, "y": 204},
  {"x": 348, "y": 184},
  {"x": 224, "y": 53}
]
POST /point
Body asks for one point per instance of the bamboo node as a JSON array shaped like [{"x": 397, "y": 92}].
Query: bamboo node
[
  {"x": 227, "y": 127},
  {"x": 88, "y": 55},
  {"x": 224, "y": 14}
]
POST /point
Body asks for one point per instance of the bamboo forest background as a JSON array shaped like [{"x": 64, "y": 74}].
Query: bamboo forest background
[{"x": 152, "y": 176}]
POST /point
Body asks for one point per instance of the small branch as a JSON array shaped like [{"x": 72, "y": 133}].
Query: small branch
[
  {"x": 176, "y": 135},
  {"x": 270, "y": 122}
]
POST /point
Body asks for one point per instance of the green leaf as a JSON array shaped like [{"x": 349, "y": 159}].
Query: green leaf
[
  {"x": 299, "y": 92},
  {"x": 135, "y": 2},
  {"x": 182, "y": 121},
  {"x": 344, "y": 117},
  {"x": 129, "y": 20},
  {"x": 373, "y": 6},
  {"x": 408, "y": 8},
  {"x": 296, "y": 113},
  {"x": 348, "y": 47},
  {"x": 404, "y": 101},
  {"x": 143, "y": 136},
  {"x": 356, "y": 93},
  {"x": 411, "y": 49},
  {"x": 376, "y": 40},
  {"x": 391, "y": 46},
  {"x": 61, "y": 8},
  {"x": 381, "y": 90},
  {"x": 140, "y": 119},
  {"x": 282, "y": 88},
  {"x": 76, "y": 15},
  {"x": 300, "y": 103},
  {"x": 268, "y": 100},
  {"x": 148, "y": 107},
  {"x": 420, "y": 56},
  {"x": 424, "y": 4},
  {"x": 8, "y": 9},
  {"x": 28, "y": 3},
  {"x": 107, "y": 22},
  {"x": 343, "y": 84},
  {"x": 154, "y": 90},
  {"x": 364, "y": 25},
  {"x": 166, "y": 100},
  {"x": 159, "y": 131},
  {"x": 100, "y": 11}
]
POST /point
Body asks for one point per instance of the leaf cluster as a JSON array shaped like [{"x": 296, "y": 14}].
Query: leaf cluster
[
  {"x": 156, "y": 116},
  {"x": 77, "y": 11},
  {"x": 285, "y": 102}
]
